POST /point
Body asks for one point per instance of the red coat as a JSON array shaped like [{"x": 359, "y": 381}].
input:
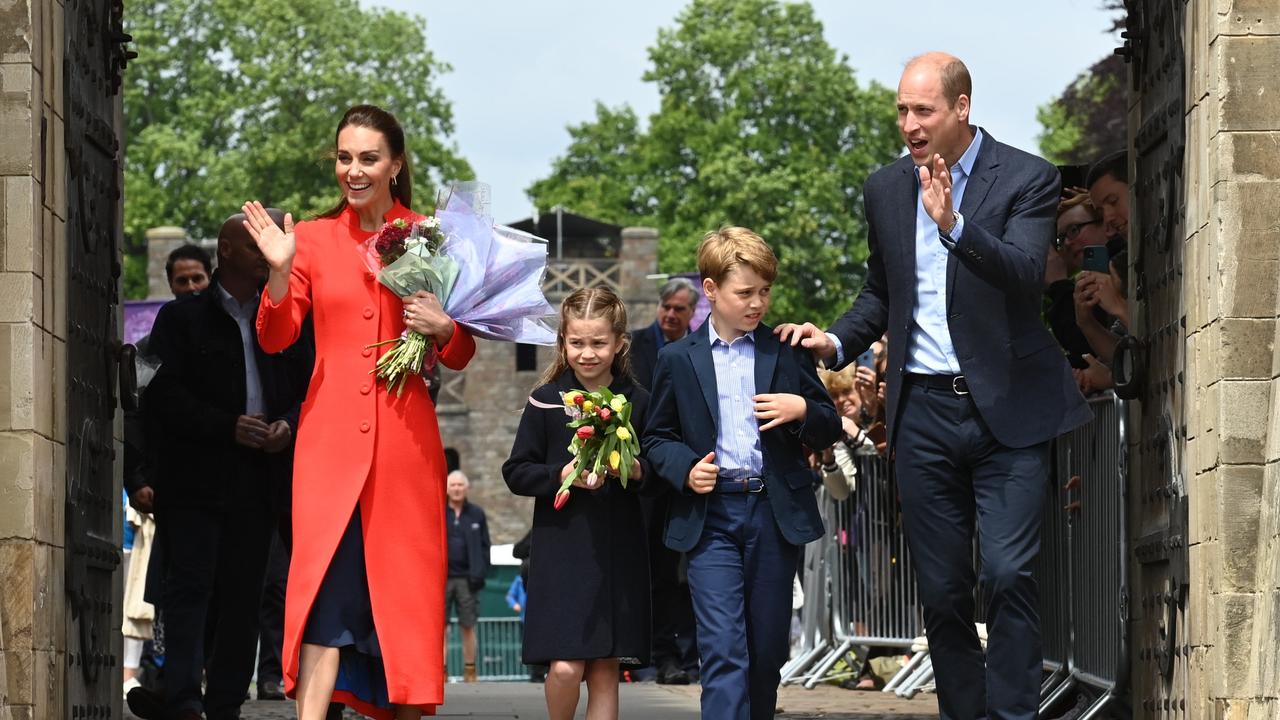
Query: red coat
[{"x": 358, "y": 443}]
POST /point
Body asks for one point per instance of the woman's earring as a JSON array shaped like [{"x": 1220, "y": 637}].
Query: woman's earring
[{"x": 393, "y": 180}]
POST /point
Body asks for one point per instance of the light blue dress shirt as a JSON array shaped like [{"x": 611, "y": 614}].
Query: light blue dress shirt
[
  {"x": 738, "y": 440},
  {"x": 930, "y": 351}
]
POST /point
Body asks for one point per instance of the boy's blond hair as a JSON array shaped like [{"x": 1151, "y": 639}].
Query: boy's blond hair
[{"x": 725, "y": 249}]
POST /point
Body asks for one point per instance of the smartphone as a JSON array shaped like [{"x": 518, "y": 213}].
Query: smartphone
[
  {"x": 1096, "y": 259},
  {"x": 867, "y": 359}
]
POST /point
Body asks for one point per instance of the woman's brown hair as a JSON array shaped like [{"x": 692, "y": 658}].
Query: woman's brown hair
[
  {"x": 375, "y": 118},
  {"x": 589, "y": 304}
]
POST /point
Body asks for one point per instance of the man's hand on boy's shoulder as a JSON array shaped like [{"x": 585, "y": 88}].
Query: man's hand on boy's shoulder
[
  {"x": 808, "y": 336},
  {"x": 779, "y": 409}
]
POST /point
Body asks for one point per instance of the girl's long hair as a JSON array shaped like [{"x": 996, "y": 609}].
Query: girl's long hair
[
  {"x": 375, "y": 118},
  {"x": 589, "y": 304}
]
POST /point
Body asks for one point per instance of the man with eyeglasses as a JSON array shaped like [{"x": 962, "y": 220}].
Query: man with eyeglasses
[{"x": 1079, "y": 226}]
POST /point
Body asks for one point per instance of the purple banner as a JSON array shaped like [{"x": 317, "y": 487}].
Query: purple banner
[{"x": 139, "y": 316}]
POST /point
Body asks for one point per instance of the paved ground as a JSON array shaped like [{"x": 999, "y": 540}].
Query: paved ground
[{"x": 648, "y": 701}]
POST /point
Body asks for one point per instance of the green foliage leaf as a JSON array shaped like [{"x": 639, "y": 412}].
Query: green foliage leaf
[
  {"x": 761, "y": 124},
  {"x": 231, "y": 100},
  {"x": 1087, "y": 121}
]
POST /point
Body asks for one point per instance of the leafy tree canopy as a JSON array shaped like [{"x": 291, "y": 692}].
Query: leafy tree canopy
[
  {"x": 236, "y": 99},
  {"x": 1087, "y": 121},
  {"x": 761, "y": 124}
]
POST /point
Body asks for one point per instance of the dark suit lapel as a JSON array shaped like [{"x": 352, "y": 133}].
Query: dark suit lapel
[
  {"x": 705, "y": 369},
  {"x": 766, "y": 358},
  {"x": 906, "y": 196},
  {"x": 975, "y": 192}
]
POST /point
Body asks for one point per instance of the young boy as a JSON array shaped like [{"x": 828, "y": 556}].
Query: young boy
[{"x": 731, "y": 410}]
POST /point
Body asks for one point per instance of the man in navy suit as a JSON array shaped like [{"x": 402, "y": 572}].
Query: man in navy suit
[
  {"x": 730, "y": 413},
  {"x": 958, "y": 231}
]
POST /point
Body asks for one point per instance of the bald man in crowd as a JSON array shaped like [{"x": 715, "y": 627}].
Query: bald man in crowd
[{"x": 219, "y": 398}]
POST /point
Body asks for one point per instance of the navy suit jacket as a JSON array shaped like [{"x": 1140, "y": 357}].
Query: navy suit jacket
[
  {"x": 683, "y": 425},
  {"x": 1016, "y": 372}
]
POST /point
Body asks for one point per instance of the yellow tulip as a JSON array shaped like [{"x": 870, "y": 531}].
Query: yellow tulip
[
  {"x": 615, "y": 459},
  {"x": 617, "y": 404},
  {"x": 623, "y": 434},
  {"x": 587, "y": 406}
]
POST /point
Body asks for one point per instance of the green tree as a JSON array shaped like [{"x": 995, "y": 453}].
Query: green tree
[
  {"x": 1088, "y": 119},
  {"x": 761, "y": 124},
  {"x": 236, "y": 99},
  {"x": 601, "y": 175}
]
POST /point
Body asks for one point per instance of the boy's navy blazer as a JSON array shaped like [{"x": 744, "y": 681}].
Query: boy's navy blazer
[{"x": 683, "y": 426}]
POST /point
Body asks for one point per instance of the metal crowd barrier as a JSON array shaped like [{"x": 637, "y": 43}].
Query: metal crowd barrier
[
  {"x": 860, "y": 590},
  {"x": 498, "y": 643},
  {"x": 859, "y": 585},
  {"x": 1083, "y": 566}
]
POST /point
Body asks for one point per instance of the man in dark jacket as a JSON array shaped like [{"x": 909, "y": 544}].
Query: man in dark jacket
[
  {"x": 468, "y": 534},
  {"x": 676, "y": 302},
  {"x": 675, "y": 648},
  {"x": 219, "y": 398}
]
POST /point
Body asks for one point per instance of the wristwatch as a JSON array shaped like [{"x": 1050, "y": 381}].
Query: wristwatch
[{"x": 955, "y": 220}]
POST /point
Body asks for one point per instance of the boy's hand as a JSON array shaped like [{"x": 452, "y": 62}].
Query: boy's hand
[
  {"x": 779, "y": 409},
  {"x": 702, "y": 477}
]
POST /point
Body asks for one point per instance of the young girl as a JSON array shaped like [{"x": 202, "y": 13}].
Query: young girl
[{"x": 588, "y": 587}]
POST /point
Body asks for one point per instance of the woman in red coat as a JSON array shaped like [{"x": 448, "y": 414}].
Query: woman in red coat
[{"x": 364, "y": 609}]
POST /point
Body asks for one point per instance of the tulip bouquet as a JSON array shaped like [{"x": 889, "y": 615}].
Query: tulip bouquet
[{"x": 603, "y": 438}]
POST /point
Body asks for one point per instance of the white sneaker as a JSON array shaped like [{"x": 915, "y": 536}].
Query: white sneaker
[{"x": 130, "y": 684}]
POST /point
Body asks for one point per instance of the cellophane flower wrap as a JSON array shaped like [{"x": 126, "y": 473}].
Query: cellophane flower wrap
[
  {"x": 488, "y": 278},
  {"x": 604, "y": 440}
]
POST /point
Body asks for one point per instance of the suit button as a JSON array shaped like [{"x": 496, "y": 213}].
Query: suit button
[
  {"x": 364, "y": 389},
  {"x": 366, "y": 352},
  {"x": 368, "y": 313},
  {"x": 364, "y": 427}
]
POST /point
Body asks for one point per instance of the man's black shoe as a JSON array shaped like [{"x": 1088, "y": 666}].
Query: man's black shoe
[
  {"x": 146, "y": 704},
  {"x": 672, "y": 675},
  {"x": 270, "y": 690}
]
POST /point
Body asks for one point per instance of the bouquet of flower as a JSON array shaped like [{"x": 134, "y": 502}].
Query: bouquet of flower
[
  {"x": 407, "y": 258},
  {"x": 603, "y": 438},
  {"x": 488, "y": 278}
]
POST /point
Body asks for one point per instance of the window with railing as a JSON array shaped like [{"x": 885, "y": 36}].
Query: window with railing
[{"x": 565, "y": 276}]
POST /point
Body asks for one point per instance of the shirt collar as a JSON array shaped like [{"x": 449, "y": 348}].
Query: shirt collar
[
  {"x": 229, "y": 300},
  {"x": 715, "y": 336},
  {"x": 970, "y": 156}
]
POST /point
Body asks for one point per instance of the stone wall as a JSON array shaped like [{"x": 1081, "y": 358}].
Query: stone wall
[
  {"x": 33, "y": 275},
  {"x": 1231, "y": 284}
]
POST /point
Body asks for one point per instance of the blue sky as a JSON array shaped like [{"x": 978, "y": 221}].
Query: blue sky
[{"x": 523, "y": 71}]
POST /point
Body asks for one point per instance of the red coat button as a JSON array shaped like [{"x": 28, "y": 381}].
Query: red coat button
[
  {"x": 364, "y": 389},
  {"x": 364, "y": 427},
  {"x": 368, "y": 313},
  {"x": 366, "y": 352}
]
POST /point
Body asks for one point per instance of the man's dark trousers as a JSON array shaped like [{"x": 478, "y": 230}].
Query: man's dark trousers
[
  {"x": 271, "y": 613},
  {"x": 212, "y": 591},
  {"x": 674, "y": 643},
  {"x": 951, "y": 469},
  {"x": 740, "y": 576}
]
